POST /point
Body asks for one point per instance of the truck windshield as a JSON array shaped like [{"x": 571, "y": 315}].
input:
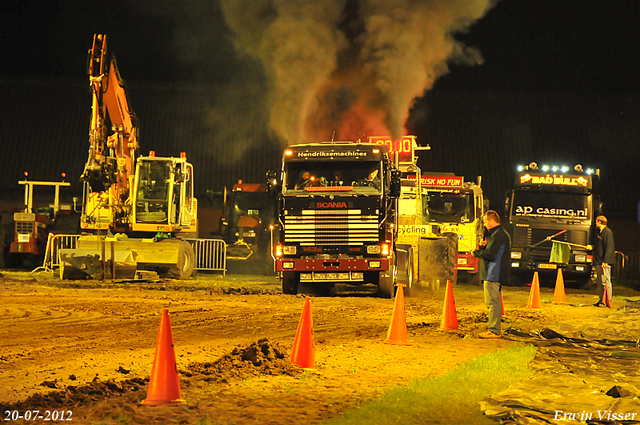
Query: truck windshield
[
  {"x": 550, "y": 205},
  {"x": 449, "y": 207},
  {"x": 315, "y": 176}
]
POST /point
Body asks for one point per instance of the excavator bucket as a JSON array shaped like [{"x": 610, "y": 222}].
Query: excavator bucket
[{"x": 121, "y": 257}]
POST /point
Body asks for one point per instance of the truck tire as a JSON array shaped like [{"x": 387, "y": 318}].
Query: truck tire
[
  {"x": 290, "y": 282},
  {"x": 404, "y": 267},
  {"x": 410, "y": 277}
]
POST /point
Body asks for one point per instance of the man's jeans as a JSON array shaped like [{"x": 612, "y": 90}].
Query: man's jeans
[
  {"x": 494, "y": 304},
  {"x": 603, "y": 279}
]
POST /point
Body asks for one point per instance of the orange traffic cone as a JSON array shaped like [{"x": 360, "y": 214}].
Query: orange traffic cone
[
  {"x": 449, "y": 315},
  {"x": 606, "y": 298},
  {"x": 397, "y": 333},
  {"x": 534, "y": 295},
  {"x": 303, "y": 351},
  {"x": 559, "y": 297},
  {"x": 164, "y": 385}
]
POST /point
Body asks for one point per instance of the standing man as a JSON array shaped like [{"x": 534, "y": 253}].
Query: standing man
[
  {"x": 495, "y": 256},
  {"x": 604, "y": 255}
]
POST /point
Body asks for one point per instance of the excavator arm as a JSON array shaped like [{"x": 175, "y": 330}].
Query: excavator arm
[{"x": 111, "y": 159}]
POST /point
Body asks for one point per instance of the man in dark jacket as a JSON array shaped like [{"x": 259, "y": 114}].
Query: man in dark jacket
[
  {"x": 604, "y": 255},
  {"x": 495, "y": 256}
]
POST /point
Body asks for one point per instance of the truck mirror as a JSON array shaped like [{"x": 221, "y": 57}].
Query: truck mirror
[{"x": 395, "y": 183}]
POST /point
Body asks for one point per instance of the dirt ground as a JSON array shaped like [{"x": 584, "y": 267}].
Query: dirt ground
[{"x": 86, "y": 348}]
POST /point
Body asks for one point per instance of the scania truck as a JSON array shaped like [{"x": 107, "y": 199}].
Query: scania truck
[{"x": 337, "y": 216}]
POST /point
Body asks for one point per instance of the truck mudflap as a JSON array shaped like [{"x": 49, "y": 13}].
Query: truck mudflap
[
  {"x": 334, "y": 264},
  {"x": 119, "y": 258}
]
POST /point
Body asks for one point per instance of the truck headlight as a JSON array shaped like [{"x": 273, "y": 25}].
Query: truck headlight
[
  {"x": 373, "y": 249},
  {"x": 289, "y": 249},
  {"x": 287, "y": 265},
  {"x": 516, "y": 255},
  {"x": 374, "y": 264},
  {"x": 462, "y": 261},
  {"x": 515, "y": 264},
  {"x": 581, "y": 258}
]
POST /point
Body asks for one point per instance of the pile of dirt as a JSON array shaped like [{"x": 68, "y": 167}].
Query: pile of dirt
[
  {"x": 259, "y": 358},
  {"x": 73, "y": 396}
]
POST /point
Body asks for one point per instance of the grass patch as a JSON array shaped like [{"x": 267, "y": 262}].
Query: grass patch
[{"x": 449, "y": 399}]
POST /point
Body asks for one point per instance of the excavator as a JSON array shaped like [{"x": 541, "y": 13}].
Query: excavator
[{"x": 137, "y": 213}]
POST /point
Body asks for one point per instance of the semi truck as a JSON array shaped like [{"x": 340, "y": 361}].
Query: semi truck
[
  {"x": 552, "y": 203},
  {"x": 136, "y": 213},
  {"x": 457, "y": 206},
  {"x": 337, "y": 217},
  {"x": 431, "y": 252}
]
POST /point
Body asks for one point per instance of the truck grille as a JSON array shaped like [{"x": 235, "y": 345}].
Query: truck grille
[
  {"x": 525, "y": 237},
  {"x": 331, "y": 227}
]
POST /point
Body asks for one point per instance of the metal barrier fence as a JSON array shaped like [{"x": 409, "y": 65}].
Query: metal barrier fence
[
  {"x": 56, "y": 242},
  {"x": 211, "y": 254}
]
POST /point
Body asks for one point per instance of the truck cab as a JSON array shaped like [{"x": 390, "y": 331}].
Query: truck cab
[
  {"x": 337, "y": 216},
  {"x": 547, "y": 205}
]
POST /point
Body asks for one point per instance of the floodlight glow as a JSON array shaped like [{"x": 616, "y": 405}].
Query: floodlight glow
[
  {"x": 564, "y": 169},
  {"x": 520, "y": 167},
  {"x": 554, "y": 168},
  {"x": 545, "y": 168}
]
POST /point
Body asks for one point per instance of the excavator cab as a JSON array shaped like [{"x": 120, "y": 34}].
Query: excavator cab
[{"x": 163, "y": 193}]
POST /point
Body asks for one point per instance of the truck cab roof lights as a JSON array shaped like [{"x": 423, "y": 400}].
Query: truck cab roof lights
[{"x": 288, "y": 152}]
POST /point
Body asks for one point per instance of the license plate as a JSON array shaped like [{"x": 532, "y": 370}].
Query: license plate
[
  {"x": 23, "y": 237},
  {"x": 548, "y": 266}
]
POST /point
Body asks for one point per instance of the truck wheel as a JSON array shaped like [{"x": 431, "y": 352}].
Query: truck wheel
[
  {"x": 410, "y": 283},
  {"x": 386, "y": 285},
  {"x": 290, "y": 282}
]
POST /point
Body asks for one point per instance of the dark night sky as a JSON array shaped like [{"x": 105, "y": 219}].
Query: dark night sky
[{"x": 576, "y": 46}]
